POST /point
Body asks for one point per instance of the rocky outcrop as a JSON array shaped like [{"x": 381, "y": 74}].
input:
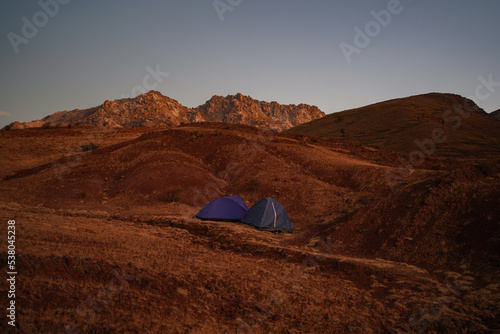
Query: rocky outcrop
[
  {"x": 153, "y": 109},
  {"x": 241, "y": 109},
  {"x": 150, "y": 109}
]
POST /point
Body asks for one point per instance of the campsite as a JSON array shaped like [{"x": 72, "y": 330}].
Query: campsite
[
  {"x": 266, "y": 214},
  {"x": 250, "y": 167},
  {"x": 121, "y": 250}
]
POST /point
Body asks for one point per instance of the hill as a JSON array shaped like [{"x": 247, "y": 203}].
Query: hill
[
  {"x": 326, "y": 184},
  {"x": 109, "y": 243},
  {"x": 402, "y": 125},
  {"x": 496, "y": 114},
  {"x": 152, "y": 109}
]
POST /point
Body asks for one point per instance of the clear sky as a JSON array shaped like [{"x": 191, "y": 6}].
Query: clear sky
[{"x": 62, "y": 55}]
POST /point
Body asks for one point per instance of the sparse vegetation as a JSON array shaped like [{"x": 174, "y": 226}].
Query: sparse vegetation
[
  {"x": 365, "y": 199},
  {"x": 89, "y": 147},
  {"x": 172, "y": 194},
  {"x": 48, "y": 125},
  {"x": 334, "y": 274},
  {"x": 252, "y": 185},
  {"x": 197, "y": 134},
  {"x": 489, "y": 167}
]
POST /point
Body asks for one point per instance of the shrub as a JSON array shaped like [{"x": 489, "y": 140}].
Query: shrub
[
  {"x": 489, "y": 167},
  {"x": 89, "y": 147},
  {"x": 365, "y": 199},
  {"x": 47, "y": 125},
  {"x": 172, "y": 194},
  {"x": 252, "y": 184}
]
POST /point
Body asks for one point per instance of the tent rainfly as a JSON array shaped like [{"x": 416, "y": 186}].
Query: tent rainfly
[
  {"x": 268, "y": 214},
  {"x": 231, "y": 208}
]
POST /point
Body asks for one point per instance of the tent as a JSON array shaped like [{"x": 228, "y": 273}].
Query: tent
[
  {"x": 268, "y": 214},
  {"x": 231, "y": 208}
]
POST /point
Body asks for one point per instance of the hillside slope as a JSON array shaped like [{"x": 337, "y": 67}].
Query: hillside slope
[
  {"x": 496, "y": 114},
  {"x": 331, "y": 188},
  {"x": 89, "y": 271},
  {"x": 456, "y": 125},
  {"x": 107, "y": 242}
]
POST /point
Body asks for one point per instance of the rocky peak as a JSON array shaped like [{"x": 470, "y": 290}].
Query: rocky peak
[
  {"x": 244, "y": 109},
  {"x": 155, "y": 109}
]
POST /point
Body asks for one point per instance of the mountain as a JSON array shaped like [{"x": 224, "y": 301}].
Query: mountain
[
  {"x": 240, "y": 109},
  {"x": 448, "y": 123},
  {"x": 496, "y": 114},
  {"x": 149, "y": 109},
  {"x": 152, "y": 109}
]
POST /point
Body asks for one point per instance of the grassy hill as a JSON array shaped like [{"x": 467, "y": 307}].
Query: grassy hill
[{"x": 462, "y": 127}]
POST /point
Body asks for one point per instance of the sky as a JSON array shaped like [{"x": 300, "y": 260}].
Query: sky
[{"x": 74, "y": 54}]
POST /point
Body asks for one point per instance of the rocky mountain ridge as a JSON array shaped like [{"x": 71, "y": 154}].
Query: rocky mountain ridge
[{"x": 154, "y": 109}]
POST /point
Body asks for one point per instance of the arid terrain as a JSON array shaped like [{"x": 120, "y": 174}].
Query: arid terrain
[{"x": 106, "y": 241}]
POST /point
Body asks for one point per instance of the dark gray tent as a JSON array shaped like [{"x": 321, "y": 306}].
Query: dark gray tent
[{"x": 268, "y": 214}]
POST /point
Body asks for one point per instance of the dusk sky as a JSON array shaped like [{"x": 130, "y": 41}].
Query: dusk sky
[{"x": 63, "y": 55}]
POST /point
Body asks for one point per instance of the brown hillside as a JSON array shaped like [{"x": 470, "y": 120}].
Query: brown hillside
[
  {"x": 327, "y": 186},
  {"x": 107, "y": 242},
  {"x": 496, "y": 114},
  {"x": 462, "y": 127}
]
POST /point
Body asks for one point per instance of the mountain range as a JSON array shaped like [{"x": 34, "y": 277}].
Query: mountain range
[{"x": 153, "y": 109}]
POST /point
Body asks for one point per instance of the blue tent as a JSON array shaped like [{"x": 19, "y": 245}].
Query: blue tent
[
  {"x": 268, "y": 214},
  {"x": 231, "y": 208}
]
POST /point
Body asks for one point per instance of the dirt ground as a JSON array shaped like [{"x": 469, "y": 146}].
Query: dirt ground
[{"x": 106, "y": 242}]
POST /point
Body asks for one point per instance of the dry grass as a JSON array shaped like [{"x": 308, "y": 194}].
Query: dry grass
[
  {"x": 175, "y": 275},
  {"x": 396, "y": 124},
  {"x": 122, "y": 259}
]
